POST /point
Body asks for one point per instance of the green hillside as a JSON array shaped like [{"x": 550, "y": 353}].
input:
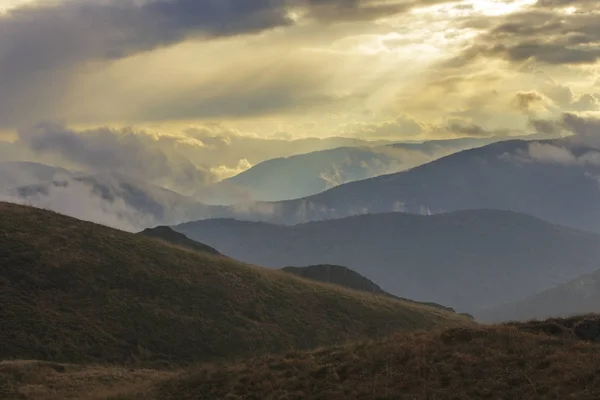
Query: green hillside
[{"x": 73, "y": 291}]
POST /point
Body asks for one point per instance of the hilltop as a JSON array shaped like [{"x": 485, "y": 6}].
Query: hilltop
[
  {"x": 73, "y": 291},
  {"x": 343, "y": 276},
  {"x": 467, "y": 260},
  {"x": 523, "y": 361},
  {"x": 168, "y": 235}
]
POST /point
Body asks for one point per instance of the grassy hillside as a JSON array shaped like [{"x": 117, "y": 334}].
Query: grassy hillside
[
  {"x": 179, "y": 239},
  {"x": 467, "y": 260},
  {"x": 78, "y": 292},
  {"x": 500, "y": 362}
]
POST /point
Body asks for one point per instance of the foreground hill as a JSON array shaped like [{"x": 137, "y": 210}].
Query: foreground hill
[
  {"x": 464, "y": 259},
  {"x": 554, "y": 180},
  {"x": 342, "y": 276},
  {"x": 495, "y": 363},
  {"x": 75, "y": 291},
  {"x": 581, "y": 295},
  {"x": 518, "y": 362}
]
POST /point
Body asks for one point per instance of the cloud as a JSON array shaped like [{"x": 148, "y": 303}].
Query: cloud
[
  {"x": 550, "y": 128},
  {"x": 551, "y": 154},
  {"x": 585, "y": 130},
  {"x": 467, "y": 129},
  {"x": 134, "y": 153},
  {"x": 579, "y": 130},
  {"x": 526, "y": 101},
  {"x": 80, "y": 201},
  {"x": 402, "y": 126},
  {"x": 223, "y": 172},
  {"x": 547, "y": 32},
  {"x": 45, "y": 46}
]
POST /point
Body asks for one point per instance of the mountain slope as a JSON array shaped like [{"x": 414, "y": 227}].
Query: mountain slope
[
  {"x": 581, "y": 295},
  {"x": 466, "y": 260},
  {"x": 342, "y": 276},
  {"x": 555, "y": 180},
  {"x": 78, "y": 292},
  {"x": 168, "y": 235}
]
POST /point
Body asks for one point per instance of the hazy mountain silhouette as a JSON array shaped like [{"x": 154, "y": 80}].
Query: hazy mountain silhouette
[
  {"x": 467, "y": 260},
  {"x": 554, "y": 180},
  {"x": 578, "y": 296},
  {"x": 307, "y": 174}
]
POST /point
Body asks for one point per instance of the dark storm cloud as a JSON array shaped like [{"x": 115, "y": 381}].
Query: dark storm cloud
[
  {"x": 43, "y": 46},
  {"x": 584, "y": 130},
  {"x": 543, "y": 33},
  {"x": 333, "y": 10}
]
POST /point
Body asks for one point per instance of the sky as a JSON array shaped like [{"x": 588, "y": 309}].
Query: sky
[{"x": 211, "y": 87}]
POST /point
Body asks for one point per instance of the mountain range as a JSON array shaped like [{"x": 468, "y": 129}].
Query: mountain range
[
  {"x": 556, "y": 180},
  {"x": 468, "y": 260},
  {"x": 302, "y": 175}
]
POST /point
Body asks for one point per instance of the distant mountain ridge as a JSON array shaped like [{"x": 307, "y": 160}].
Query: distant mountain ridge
[
  {"x": 556, "y": 180},
  {"x": 467, "y": 260},
  {"x": 301, "y": 175}
]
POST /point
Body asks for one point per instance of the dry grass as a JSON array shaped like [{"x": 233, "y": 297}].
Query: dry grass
[
  {"x": 38, "y": 380},
  {"x": 77, "y": 292},
  {"x": 499, "y": 363},
  {"x": 458, "y": 364}
]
